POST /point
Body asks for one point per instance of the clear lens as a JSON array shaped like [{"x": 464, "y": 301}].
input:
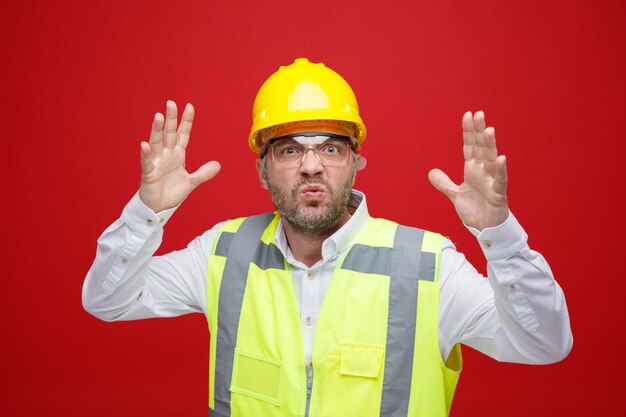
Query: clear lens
[{"x": 330, "y": 152}]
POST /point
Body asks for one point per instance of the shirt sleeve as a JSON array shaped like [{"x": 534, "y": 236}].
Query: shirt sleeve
[
  {"x": 518, "y": 314},
  {"x": 126, "y": 282}
]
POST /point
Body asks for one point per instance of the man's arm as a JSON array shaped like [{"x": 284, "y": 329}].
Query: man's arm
[
  {"x": 125, "y": 282},
  {"x": 520, "y": 314}
]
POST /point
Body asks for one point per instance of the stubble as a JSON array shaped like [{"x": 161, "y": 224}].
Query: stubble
[{"x": 312, "y": 224}]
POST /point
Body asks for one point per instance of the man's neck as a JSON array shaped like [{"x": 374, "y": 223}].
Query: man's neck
[{"x": 307, "y": 247}]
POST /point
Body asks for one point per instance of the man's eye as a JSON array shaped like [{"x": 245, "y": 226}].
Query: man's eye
[
  {"x": 289, "y": 151},
  {"x": 332, "y": 148}
]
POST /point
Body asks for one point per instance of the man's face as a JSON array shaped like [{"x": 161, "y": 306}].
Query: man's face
[{"x": 311, "y": 197}]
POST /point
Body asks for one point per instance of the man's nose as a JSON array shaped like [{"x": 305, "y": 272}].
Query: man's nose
[{"x": 311, "y": 164}]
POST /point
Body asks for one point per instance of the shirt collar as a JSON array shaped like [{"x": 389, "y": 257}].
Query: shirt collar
[{"x": 339, "y": 241}]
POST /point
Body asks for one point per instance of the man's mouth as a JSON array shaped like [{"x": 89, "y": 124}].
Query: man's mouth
[{"x": 313, "y": 190}]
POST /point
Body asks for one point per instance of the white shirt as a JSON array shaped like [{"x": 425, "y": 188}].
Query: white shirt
[{"x": 518, "y": 314}]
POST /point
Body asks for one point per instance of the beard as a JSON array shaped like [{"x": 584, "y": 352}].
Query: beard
[{"x": 312, "y": 222}]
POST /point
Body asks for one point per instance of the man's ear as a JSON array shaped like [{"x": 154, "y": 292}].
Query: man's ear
[
  {"x": 360, "y": 161},
  {"x": 262, "y": 172}
]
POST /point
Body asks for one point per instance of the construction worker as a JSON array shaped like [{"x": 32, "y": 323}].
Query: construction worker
[{"x": 397, "y": 301}]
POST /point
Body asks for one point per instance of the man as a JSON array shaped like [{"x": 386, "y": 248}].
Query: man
[{"x": 397, "y": 301}]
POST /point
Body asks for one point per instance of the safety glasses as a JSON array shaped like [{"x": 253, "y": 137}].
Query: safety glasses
[{"x": 331, "y": 150}]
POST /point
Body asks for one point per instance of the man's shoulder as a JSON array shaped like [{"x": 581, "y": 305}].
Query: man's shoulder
[
  {"x": 237, "y": 221},
  {"x": 431, "y": 241},
  {"x": 263, "y": 223},
  {"x": 382, "y": 222}
]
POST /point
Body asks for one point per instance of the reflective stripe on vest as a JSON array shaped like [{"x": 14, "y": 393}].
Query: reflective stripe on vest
[
  {"x": 405, "y": 264},
  {"x": 241, "y": 250},
  {"x": 402, "y": 263}
]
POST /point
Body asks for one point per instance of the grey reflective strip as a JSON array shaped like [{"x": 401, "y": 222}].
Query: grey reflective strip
[
  {"x": 234, "y": 278},
  {"x": 268, "y": 256},
  {"x": 427, "y": 266},
  {"x": 368, "y": 260},
  {"x": 265, "y": 256},
  {"x": 403, "y": 285},
  {"x": 213, "y": 413},
  {"x": 226, "y": 238}
]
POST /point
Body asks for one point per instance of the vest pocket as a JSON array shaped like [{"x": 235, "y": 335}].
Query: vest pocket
[
  {"x": 361, "y": 359},
  {"x": 350, "y": 382},
  {"x": 256, "y": 376}
]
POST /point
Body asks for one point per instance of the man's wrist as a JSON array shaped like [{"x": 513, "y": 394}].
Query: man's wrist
[
  {"x": 501, "y": 241},
  {"x": 140, "y": 217}
]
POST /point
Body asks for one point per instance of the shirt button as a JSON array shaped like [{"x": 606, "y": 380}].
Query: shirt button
[
  {"x": 124, "y": 259},
  {"x": 161, "y": 220},
  {"x": 149, "y": 221},
  {"x": 487, "y": 243},
  {"x": 308, "y": 321},
  {"x": 310, "y": 276},
  {"x": 513, "y": 287},
  {"x": 309, "y": 365}
]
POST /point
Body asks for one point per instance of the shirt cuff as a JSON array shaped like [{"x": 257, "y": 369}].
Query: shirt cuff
[
  {"x": 502, "y": 241},
  {"x": 140, "y": 217}
]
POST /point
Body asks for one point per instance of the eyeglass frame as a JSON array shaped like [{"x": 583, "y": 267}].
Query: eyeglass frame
[{"x": 350, "y": 140}]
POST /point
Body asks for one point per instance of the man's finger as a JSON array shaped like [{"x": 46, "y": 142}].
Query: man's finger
[
  {"x": 146, "y": 158},
  {"x": 169, "y": 133},
  {"x": 501, "y": 179},
  {"x": 184, "y": 129},
  {"x": 156, "y": 134},
  {"x": 479, "y": 135},
  {"x": 443, "y": 183},
  {"x": 205, "y": 173},
  {"x": 490, "y": 152},
  {"x": 468, "y": 139}
]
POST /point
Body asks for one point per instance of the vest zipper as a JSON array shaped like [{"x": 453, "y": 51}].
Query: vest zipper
[{"x": 309, "y": 387}]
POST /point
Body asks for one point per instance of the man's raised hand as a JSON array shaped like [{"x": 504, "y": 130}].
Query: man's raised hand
[
  {"x": 480, "y": 200},
  {"x": 165, "y": 182}
]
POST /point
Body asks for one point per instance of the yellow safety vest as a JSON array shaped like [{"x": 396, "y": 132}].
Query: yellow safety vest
[{"x": 376, "y": 347}]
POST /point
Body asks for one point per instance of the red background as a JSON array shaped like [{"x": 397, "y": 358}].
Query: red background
[{"x": 80, "y": 82}]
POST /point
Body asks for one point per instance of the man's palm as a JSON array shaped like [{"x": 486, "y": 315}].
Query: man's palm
[
  {"x": 165, "y": 182},
  {"x": 481, "y": 199}
]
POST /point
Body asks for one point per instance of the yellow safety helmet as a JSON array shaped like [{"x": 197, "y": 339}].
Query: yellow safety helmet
[{"x": 303, "y": 91}]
